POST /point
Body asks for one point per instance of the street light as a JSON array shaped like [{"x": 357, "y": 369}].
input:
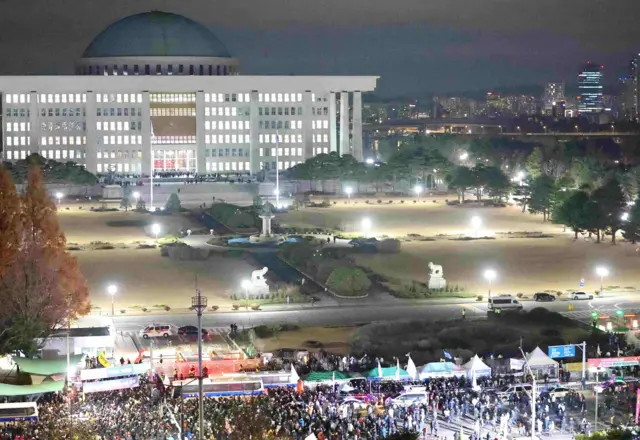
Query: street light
[
  {"x": 59, "y": 196},
  {"x": 476, "y": 222},
  {"x": 199, "y": 304},
  {"x": 136, "y": 195},
  {"x": 112, "y": 289},
  {"x": 370, "y": 161},
  {"x": 464, "y": 156},
  {"x": 490, "y": 275},
  {"x": 418, "y": 190},
  {"x": 348, "y": 190},
  {"x": 155, "y": 228},
  {"x": 366, "y": 225},
  {"x": 246, "y": 284},
  {"x": 624, "y": 216},
  {"x": 602, "y": 272}
]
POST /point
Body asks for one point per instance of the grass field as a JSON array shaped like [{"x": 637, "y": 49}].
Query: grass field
[{"x": 332, "y": 339}]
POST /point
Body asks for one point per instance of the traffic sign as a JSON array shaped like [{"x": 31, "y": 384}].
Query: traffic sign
[
  {"x": 581, "y": 282},
  {"x": 562, "y": 351}
]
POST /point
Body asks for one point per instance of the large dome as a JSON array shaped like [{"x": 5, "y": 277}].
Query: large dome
[{"x": 156, "y": 34}]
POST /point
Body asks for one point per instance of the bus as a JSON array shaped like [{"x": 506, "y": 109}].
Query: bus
[
  {"x": 18, "y": 412},
  {"x": 219, "y": 387}
]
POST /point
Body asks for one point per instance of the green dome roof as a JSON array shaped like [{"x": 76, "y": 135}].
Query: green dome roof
[{"x": 156, "y": 34}]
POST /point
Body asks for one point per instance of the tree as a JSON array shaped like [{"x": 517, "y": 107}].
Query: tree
[
  {"x": 349, "y": 281},
  {"x": 533, "y": 163},
  {"x": 631, "y": 227},
  {"x": 125, "y": 203},
  {"x": 461, "y": 179},
  {"x": 41, "y": 285},
  {"x": 52, "y": 171},
  {"x": 543, "y": 195},
  {"x": 173, "y": 203},
  {"x": 571, "y": 212},
  {"x": 595, "y": 218},
  {"x": 612, "y": 202},
  {"x": 495, "y": 181}
]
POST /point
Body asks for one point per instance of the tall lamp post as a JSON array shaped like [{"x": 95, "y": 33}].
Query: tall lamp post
[
  {"x": 476, "y": 222},
  {"x": 59, "y": 197},
  {"x": 199, "y": 304},
  {"x": 348, "y": 190},
  {"x": 155, "y": 228},
  {"x": 490, "y": 275},
  {"x": 277, "y": 169},
  {"x": 602, "y": 272},
  {"x": 246, "y": 284},
  {"x": 112, "y": 289},
  {"x": 366, "y": 226},
  {"x": 418, "y": 190}
]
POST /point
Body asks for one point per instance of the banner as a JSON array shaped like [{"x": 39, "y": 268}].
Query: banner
[
  {"x": 516, "y": 364},
  {"x": 637, "y": 405},
  {"x": 111, "y": 385},
  {"x": 629, "y": 361},
  {"x": 573, "y": 366},
  {"x": 106, "y": 373}
]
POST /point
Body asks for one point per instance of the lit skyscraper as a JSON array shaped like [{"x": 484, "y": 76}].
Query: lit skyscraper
[
  {"x": 590, "y": 88},
  {"x": 553, "y": 92},
  {"x": 633, "y": 88}
]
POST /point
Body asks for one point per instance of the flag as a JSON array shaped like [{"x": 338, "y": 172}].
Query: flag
[
  {"x": 397, "y": 369},
  {"x": 447, "y": 354},
  {"x": 333, "y": 377},
  {"x": 598, "y": 352},
  {"x": 379, "y": 370},
  {"x": 474, "y": 382},
  {"x": 294, "y": 375},
  {"x": 411, "y": 368}
]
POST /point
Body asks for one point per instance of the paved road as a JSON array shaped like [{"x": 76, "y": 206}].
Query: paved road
[{"x": 351, "y": 315}]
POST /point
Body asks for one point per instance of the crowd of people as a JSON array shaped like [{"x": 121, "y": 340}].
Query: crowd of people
[{"x": 155, "y": 411}]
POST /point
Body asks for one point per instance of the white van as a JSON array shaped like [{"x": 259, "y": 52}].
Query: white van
[
  {"x": 411, "y": 397},
  {"x": 157, "y": 331},
  {"x": 503, "y": 302}
]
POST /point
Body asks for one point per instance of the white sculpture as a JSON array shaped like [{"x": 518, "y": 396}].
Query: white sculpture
[
  {"x": 258, "y": 283},
  {"x": 436, "y": 277}
]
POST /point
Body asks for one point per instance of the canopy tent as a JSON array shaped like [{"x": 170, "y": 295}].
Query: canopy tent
[
  {"x": 7, "y": 390},
  {"x": 46, "y": 367},
  {"x": 388, "y": 373},
  {"x": 538, "y": 358},
  {"x": 326, "y": 376},
  {"x": 475, "y": 365},
  {"x": 440, "y": 369}
]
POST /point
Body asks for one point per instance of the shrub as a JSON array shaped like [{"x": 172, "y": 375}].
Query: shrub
[
  {"x": 167, "y": 308},
  {"x": 401, "y": 201},
  {"x": 235, "y": 306},
  {"x": 255, "y": 306},
  {"x": 520, "y": 295},
  {"x": 144, "y": 309},
  {"x": 558, "y": 294},
  {"x": 123, "y": 311},
  {"x": 479, "y": 298},
  {"x": 349, "y": 281},
  {"x": 214, "y": 308},
  {"x": 390, "y": 201},
  {"x": 379, "y": 201}
]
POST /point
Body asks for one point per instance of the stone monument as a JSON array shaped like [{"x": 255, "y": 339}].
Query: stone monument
[
  {"x": 266, "y": 215},
  {"x": 436, "y": 277},
  {"x": 258, "y": 283}
]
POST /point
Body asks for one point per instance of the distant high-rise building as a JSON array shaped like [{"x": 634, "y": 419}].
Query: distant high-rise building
[
  {"x": 590, "y": 89},
  {"x": 553, "y": 92},
  {"x": 633, "y": 88},
  {"x": 558, "y": 111}
]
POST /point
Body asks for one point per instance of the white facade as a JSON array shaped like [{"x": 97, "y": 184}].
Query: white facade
[{"x": 196, "y": 124}]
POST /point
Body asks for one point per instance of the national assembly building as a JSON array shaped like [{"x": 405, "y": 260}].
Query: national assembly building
[{"x": 158, "y": 92}]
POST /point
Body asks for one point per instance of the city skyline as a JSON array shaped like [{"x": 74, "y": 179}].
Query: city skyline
[{"x": 415, "y": 48}]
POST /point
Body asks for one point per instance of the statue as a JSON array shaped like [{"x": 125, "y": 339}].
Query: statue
[
  {"x": 267, "y": 209},
  {"x": 436, "y": 277},
  {"x": 258, "y": 283},
  {"x": 266, "y": 215}
]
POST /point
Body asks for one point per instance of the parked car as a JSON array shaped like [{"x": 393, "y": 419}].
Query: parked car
[
  {"x": 542, "y": 296},
  {"x": 613, "y": 385},
  {"x": 157, "y": 331},
  {"x": 580, "y": 295},
  {"x": 191, "y": 330},
  {"x": 506, "y": 391},
  {"x": 411, "y": 397},
  {"x": 559, "y": 392},
  {"x": 504, "y": 303}
]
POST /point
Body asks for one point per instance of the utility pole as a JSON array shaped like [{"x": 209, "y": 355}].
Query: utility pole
[
  {"x": 532, "y": 396},
  {"x": 199, "y": 303}
]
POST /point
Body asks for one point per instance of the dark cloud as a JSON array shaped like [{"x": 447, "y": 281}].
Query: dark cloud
[{"x": 415, "y": 45}]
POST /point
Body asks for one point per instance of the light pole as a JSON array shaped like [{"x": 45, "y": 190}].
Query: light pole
[
  {"x": 370, "y": 161},
  {"x": 490, "y": 275},
  {"x": 112, "y": 289},
  {"x": 155, "y": 228},
  {"x": 199, "y": 303},
  {"x": 366, "y": 226},
  {"x": 59, "y": 196},
  {"x": 246, "y": 284},
  {"x": 435, "y": 179},
  {"x": 602, "y": 272},
  {"x": 597, "y": 389},
  {"x": 277, "y": 169},
  {"x": 476, "y": 222},
  {"x": 418, "y": 190},
  {"x": 136, "y": 196},
  {"x": 348, "y": 191},
  {"x": 625, "y": 216},
  {"x": 464, "y": 156}
]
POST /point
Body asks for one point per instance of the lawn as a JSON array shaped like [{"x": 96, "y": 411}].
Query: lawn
[{"x": 332, "y": 339}]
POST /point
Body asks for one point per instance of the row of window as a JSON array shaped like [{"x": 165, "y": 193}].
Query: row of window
[
  {"x": 169, "y": 69},
  {"x": 120, "y": 140},
  {"x": 134, "y": 98},
  {"x": 226, "y": 125},
  {"x": 119, "y": 154},
  {"x": 172, "y": 97},
  {"x": 226, "y": 152},
  {"x": 319, "y": 111},
  {"x": 64, "y": 111},
  {"x": 227, "y": 97},
  {"x": 22, "y": 98},
  {"x": 282, "y": 165},
  {"x": 280, "y": 97},
  {"x": 63, "y": 140},
  {"x": 226, "y": 111},
  {"x": 318, "y": 138},
  {"x": 166, "y": 140},
  {"x": 272, "y": 139},
  {"x": 227, "y": 139},
  {"x": 320, "y": 125},
  {"x": 180, "y": 111},
  {"x": 16, "y": 155},
  {"x": 119, "y": 126},
  {"x": 18, "y": 126},
  {"x": 63, "y": 126},
  {"x": 62, "y": 154},
  {"x": 16, "y": 141},
  {"x": 281, "y": 152},
  {"x": 276, "y": 125},
  {"x": 13, "y": 112},
  {"x": 280, "y": 111},
  {"x": 57, "y": 98},
  {"x": 118, "y": 111},
  {"x": 119, "y": 167},
  {"x": 227, "y": 166}
]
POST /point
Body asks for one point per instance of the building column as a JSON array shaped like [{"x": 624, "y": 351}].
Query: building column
[
  {"x": 147, "y": 156},
  {"x": 34, "y": 124},
  {"x": 254, "y": 147},
  {"x": 307, "y": 131},
  {"x": 333, "y": 123},
  {"x": 200, "y": 132},
  {"x": 344, "y": 124},
  {"x": 356, "y": 131},
  {"x": 91, "y": 148}
]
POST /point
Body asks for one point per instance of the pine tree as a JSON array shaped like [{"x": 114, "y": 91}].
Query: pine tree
[{"x": 173, "y": 204}]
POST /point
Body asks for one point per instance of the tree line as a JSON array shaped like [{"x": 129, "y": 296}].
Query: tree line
[{"x": 52, "y": 171}]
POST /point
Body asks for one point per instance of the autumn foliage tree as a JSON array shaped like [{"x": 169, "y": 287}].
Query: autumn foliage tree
[{"x": 41, "y": 286}]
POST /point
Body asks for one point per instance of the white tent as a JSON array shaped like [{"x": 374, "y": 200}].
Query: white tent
[
  {"x": 476, "y": 365},
  {"x": 538, "y": 358}
]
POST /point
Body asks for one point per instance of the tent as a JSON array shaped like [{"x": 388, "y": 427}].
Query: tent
[
  {"x": 440, "y": 369},
  {"x": 7, "y": 390},
  {"x": 476, "y": 365},
  {"x": 326, "y": 376},
  {"x": 46, "y": 367},
  {"x": 388, "y": 373},
  {"x": 541, "y": 364}
]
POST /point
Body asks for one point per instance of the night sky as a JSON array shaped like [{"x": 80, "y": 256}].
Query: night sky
[{"x": 416, "y": 46}]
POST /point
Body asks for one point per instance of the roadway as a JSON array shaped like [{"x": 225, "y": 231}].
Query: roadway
[{"x": 358, "y": 314}]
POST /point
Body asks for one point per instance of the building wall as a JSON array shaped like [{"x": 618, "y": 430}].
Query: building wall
[{"x": 228, "y": 124}]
